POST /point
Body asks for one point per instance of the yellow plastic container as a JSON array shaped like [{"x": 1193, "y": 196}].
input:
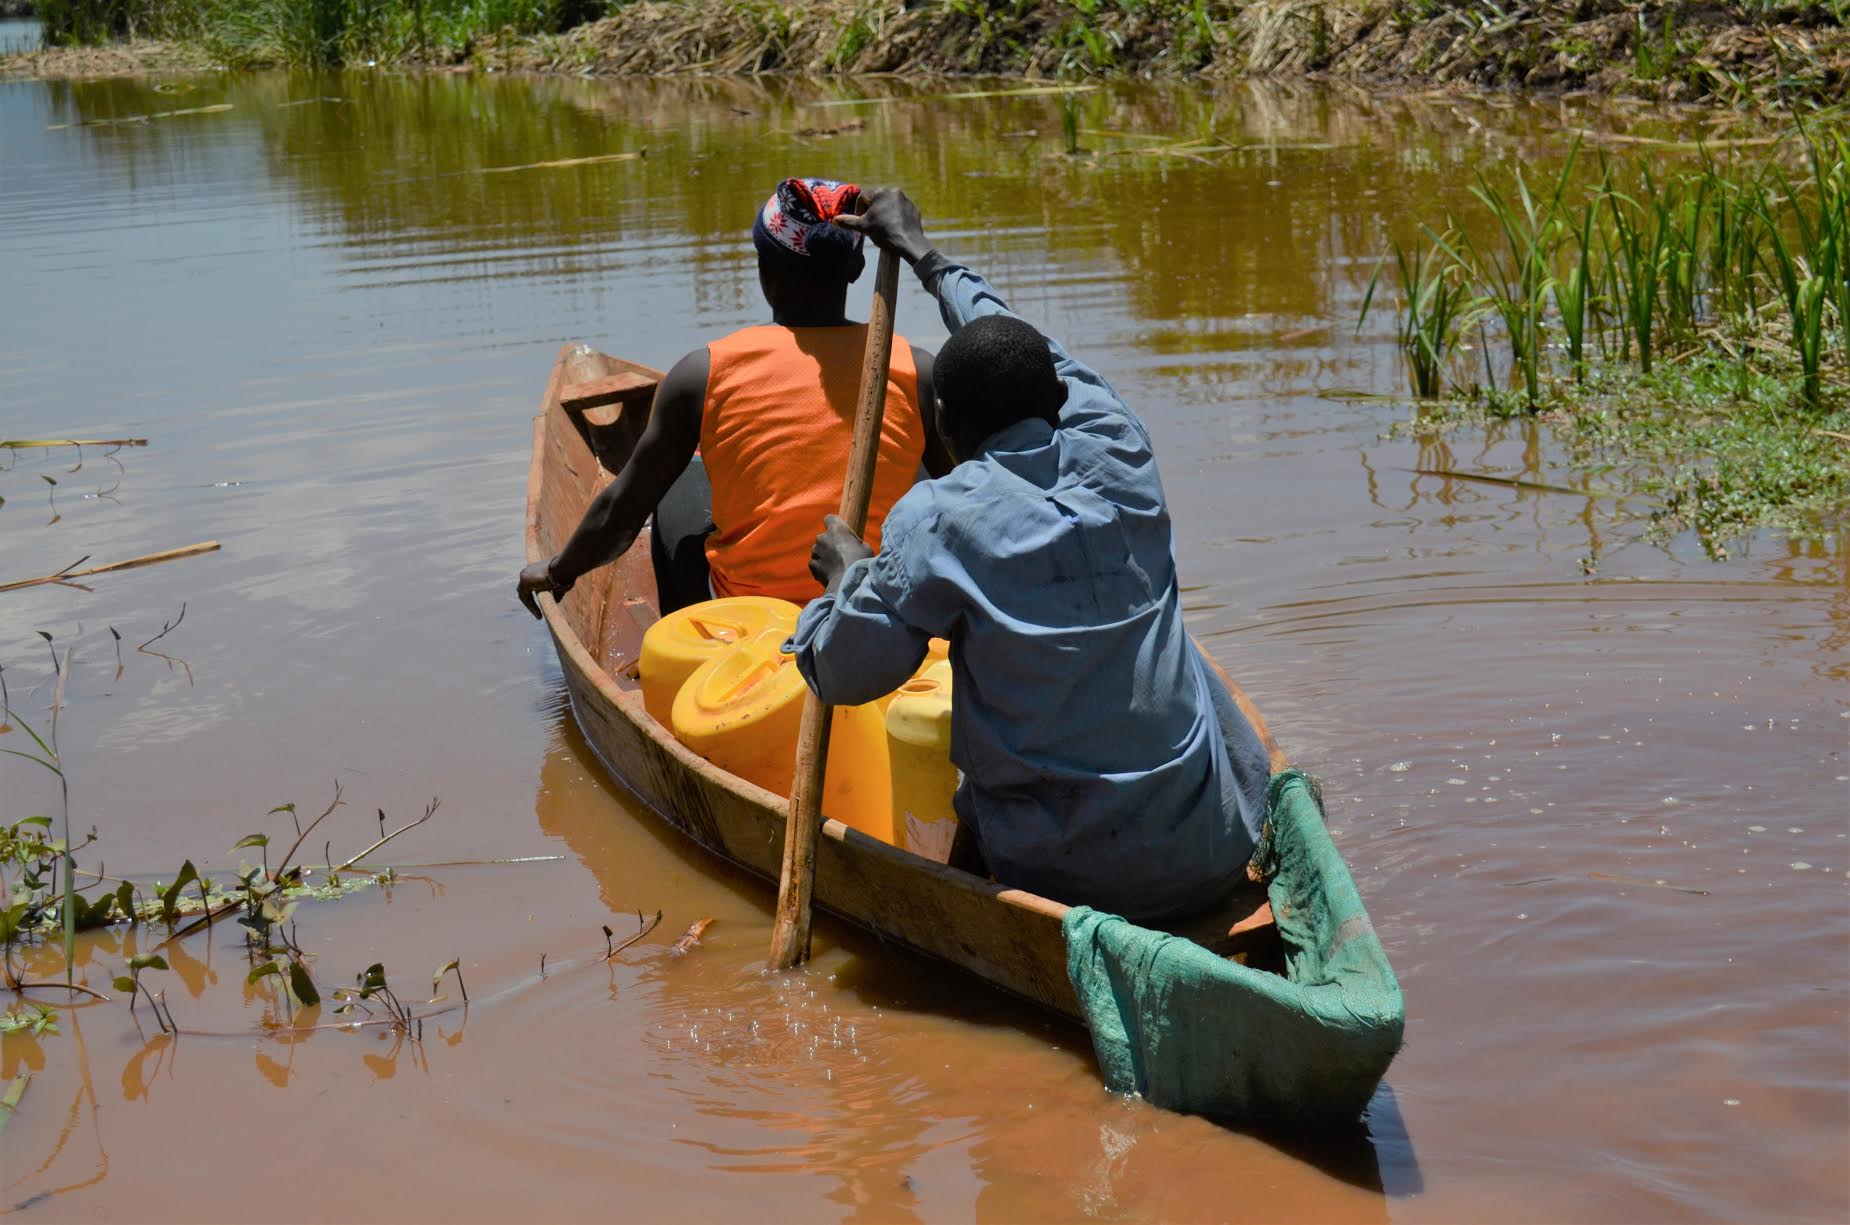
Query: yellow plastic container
[
  {"x": 740, "y": 711},
  {"x": 674, "y": 647},
  {"x": 918, "y": 732}
]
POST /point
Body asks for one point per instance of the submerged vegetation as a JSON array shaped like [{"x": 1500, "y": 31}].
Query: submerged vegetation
[
  {"x": 1736, "y": 52},
  {"x": 1662, "y": 315}
]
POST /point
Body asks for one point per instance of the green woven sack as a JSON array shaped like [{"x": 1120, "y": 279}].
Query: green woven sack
[{"x": 1196, "y": 1032}]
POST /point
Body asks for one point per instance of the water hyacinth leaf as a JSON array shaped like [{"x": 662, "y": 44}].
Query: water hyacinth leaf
[
  {"x": 170, "y": 896},
  {"x": 437, "y": 978},
  {"x": 302, "y": 984},
  {"x": 41, "y": 822},
  {"x": 258, "y": 840},
  {"x": 125, "y": 900},
  {"x": 263, "y": 971},
  {"x": 280, "y": 808},
  {"x": 124, "y": 983},
  {"x": 373, "y": 979},
  {"x": 148, "y": 961}
]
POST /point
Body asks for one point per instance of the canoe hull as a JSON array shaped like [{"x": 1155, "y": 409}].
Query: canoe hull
[{"x": 590, "y": 415}]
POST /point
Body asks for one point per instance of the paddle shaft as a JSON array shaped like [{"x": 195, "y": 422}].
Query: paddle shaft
[{"x": 796, "y": 884}]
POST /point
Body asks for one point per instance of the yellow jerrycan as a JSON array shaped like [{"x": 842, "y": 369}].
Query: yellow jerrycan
[
  {"x": 674, "y": 647},
  {"x": 740, "y": 711},
  {"x": 918, "y": 732}
]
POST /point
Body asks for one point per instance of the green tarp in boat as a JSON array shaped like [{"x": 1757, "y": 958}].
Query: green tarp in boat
[{"x": 1192, "y": 1031}]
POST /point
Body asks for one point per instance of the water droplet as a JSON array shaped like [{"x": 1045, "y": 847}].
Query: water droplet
[
  {"x": 1455, "y": 782},
  {"x": 1756, "y": 829},
  {"x": 1731, "y": 1101},
  {"x": 1400, "y": 767},
  {"x": 1800, "y": 865}
]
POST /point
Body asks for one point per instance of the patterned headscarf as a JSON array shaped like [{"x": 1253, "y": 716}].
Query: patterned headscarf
[{"x": 796, "y": 226}]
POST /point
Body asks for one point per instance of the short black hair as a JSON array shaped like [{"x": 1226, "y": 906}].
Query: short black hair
[{"x": 997, "y": 370}]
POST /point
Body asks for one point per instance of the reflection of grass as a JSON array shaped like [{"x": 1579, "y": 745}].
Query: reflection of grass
[{"x": 1715, "y": 440}]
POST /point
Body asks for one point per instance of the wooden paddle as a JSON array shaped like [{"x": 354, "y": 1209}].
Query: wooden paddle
[{"x": 796, "y": 885}]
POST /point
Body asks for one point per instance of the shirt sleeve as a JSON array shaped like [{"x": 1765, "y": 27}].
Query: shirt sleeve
[
  {"x": 1091, "y": 404},
  {"x": 854, "y": 644}
]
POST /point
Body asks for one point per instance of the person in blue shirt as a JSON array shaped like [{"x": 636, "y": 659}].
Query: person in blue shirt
[{"x": 1103, "y": 760}]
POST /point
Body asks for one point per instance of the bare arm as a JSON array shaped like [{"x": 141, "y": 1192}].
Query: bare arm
[{"x": 616, "y": 515}]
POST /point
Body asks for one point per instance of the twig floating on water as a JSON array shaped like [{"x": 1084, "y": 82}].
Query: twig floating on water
[
  {"x": 1032, "y": 91},
  {"x": 1509, "y": 481},
  {"x": 1649, "y": 884},
  {"x": 565, "y": 162},
  {"x": 23, "y": 985},
  {"x": 191, "y": 550},
  {"x": 23, "y": 443},
  {"x": 166, "y": 628},
  {"x": 643, "y": 928},
  {"x": 216, "y": 109},
  {"x": 430, "y": 810},
  {"x": 691, "y": 937}
]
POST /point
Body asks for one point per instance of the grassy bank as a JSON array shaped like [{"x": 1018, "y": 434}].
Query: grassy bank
[
  {"x": 1738, "y": 52},
  {"x": 1688, "y": 330},
  {"x": 310, "y": 32}
]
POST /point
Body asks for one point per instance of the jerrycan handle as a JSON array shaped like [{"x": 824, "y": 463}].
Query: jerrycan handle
[{"x": 717, "y": 631}]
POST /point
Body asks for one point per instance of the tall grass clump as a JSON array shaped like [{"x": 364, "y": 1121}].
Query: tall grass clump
[
  {"x": 1636, "y": 266},
  {"x": 314, "y": 33}
]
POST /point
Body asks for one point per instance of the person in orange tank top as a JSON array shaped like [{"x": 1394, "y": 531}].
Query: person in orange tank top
[{"x": 747, "y": 443}]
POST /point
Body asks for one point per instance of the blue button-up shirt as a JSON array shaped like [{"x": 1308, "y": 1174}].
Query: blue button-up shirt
[{"x": 1103, "y": 761}]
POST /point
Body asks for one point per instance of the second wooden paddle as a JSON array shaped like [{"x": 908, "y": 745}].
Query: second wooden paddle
[{"x": 797, "y": 882}]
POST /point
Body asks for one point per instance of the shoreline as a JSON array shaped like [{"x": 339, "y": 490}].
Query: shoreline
[{"x": 1715, "y": 58}]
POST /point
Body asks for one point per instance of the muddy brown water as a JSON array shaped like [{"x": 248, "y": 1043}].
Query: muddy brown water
[{"x": 1600, "y": 822}]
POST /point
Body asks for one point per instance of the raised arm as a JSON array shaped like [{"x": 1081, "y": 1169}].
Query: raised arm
[
  {"x": 616, "y": 515},
  {"x": 892, "y": 221}
]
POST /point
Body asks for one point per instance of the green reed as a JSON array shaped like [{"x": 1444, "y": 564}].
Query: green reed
[
  {"x": 1576, "y": 294},
  {"x": 1633, "y": 263},
  {"x": 1520, "y": 275},
  {"x": 1438, "y": 306}
]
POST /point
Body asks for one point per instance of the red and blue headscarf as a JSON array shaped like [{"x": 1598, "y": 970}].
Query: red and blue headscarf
[{"x": 796, "y": 227}]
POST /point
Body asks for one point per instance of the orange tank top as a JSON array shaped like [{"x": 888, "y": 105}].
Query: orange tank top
[{"x": 775, "y": 435}]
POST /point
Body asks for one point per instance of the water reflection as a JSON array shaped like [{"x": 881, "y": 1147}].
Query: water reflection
[
  {"x": 333, "y": 322},
  {"x": 877, "y": 1066}
]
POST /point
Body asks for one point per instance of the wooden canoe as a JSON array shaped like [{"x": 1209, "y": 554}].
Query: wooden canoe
[{"x": 591, "y": 414}]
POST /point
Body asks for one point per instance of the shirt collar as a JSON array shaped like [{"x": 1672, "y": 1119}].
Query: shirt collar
[{"x": 1028, "y": 434}]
